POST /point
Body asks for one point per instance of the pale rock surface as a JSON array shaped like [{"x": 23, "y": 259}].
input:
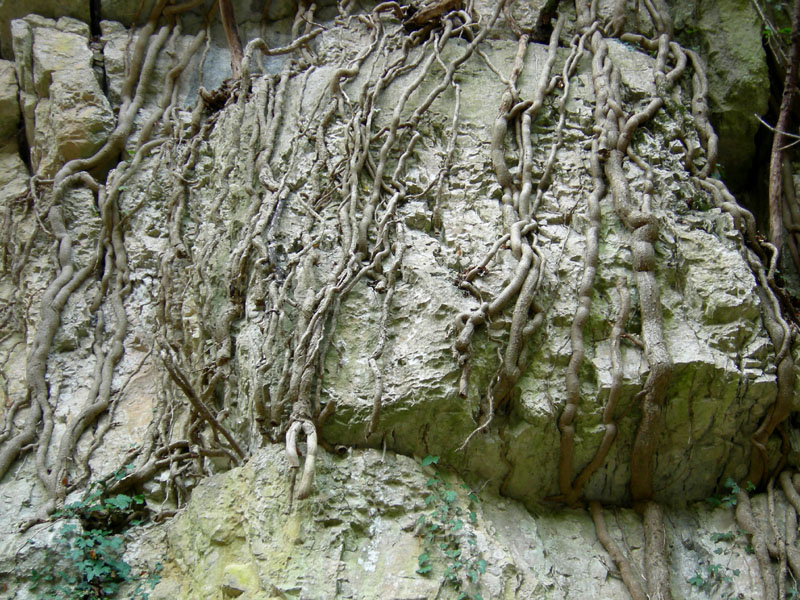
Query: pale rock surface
[
  {"x": 9, "y": 105},
  {"x": 356, "y": 534},
  {"x": 15, "y": 9},
  {"x": 13, "y": 173},
  {"x": 358, "y": 538},
  {"x": 67, "y": 116}
]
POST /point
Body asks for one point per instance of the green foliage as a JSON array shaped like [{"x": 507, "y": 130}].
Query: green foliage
[
  {"x": 784, "y": 32},
  {"x": 715, "y": 579},
  {"x": 728, "y": 536},
  {"x": 88, "y": 562},
  {"x": 712, "y": 577},
  {"x": 729, "y": 500},
  {"x": 447, "y": 530}
]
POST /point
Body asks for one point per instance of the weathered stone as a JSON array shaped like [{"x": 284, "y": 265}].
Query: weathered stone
[
  {"x": 358, "y": 534},
  {"x": 13, "y": 172},
  {"x": 14, "y": 9},
  {"x": 67, "y": 116},
  {"x": 360, "y": 537},
  {"x": 9, "y": 104},
  {"x": 738, "y": 81}
]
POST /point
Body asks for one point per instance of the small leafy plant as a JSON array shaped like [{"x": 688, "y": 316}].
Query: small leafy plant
[
  {"x": 89, "y": 561},
  {"x": 716, "y": 578},
  {"x": 729, "y": 500},
  {"x": 447, "y": 529},
  {"x": 785, "y": 32},
  {"x": 712, "y": 577}
]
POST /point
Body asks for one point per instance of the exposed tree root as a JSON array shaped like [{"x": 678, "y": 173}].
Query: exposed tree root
[
  {"x": 779, "y": 141},
  {"x": 613, "y": 397},
  {"x": 745, "y": 519},
  {"x": 655, "y": 555},
  {"x": 623, "y": 564},
  {"x": 565, "y": 421}
]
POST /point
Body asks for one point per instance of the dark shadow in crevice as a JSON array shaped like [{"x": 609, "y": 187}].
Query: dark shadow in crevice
[
  {"x": 23, "y": 148},
  {"x": 94, "y": 17}
]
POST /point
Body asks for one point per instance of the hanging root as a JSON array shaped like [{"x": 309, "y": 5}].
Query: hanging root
[
  {"x": 780, "y": 139},
  {"x": 623, "y": 564},
  {"x": 614, "y": 392},
  {"x": 780, "y": 541},
  {"x": 307, "y": 479},
  {"x": 746, "y": 520},
  {"x": 792, "y": 510},
  {"x": 527, "y": 276},
  {"x": 780, "y": 335},
  {"x": 565, "y": 421},
  {"x": 378, "y": 352},
  {"x": 655, "y": 552},
  {"x": 614, "y": 142}
]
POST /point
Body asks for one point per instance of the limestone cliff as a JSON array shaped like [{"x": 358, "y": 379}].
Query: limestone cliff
[{"x": 446, "y": 299}]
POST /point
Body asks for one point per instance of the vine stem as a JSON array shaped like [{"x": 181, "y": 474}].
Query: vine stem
[{"x": 778, "y": 142}]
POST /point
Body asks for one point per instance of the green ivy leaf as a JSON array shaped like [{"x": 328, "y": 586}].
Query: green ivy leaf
[
  {"x": 722, "y": 537},
  {"x": 696, "y": 581},
  {"x": 68, "y": 528},
  {"x": 430, "y": 460},
  {"x": 120, "y": 502}
]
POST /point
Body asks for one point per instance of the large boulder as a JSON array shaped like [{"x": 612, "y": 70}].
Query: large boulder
[{"x": 67, "y": 115}]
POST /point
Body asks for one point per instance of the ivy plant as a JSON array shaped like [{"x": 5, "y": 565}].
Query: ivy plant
[
  {"x": 729, "y": 500},
  {"x": 88, "y": 560},
  {"x": 447, "y": 530},
  {"x": 715, "y": 579}
]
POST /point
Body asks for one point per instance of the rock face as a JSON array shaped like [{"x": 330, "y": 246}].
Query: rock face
[
  {"x": 359, "y": 538},
  {"x": 66, "y": 114},
  {"x": 393, "y": 246},
  {"x": 736, "y": 94}
]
